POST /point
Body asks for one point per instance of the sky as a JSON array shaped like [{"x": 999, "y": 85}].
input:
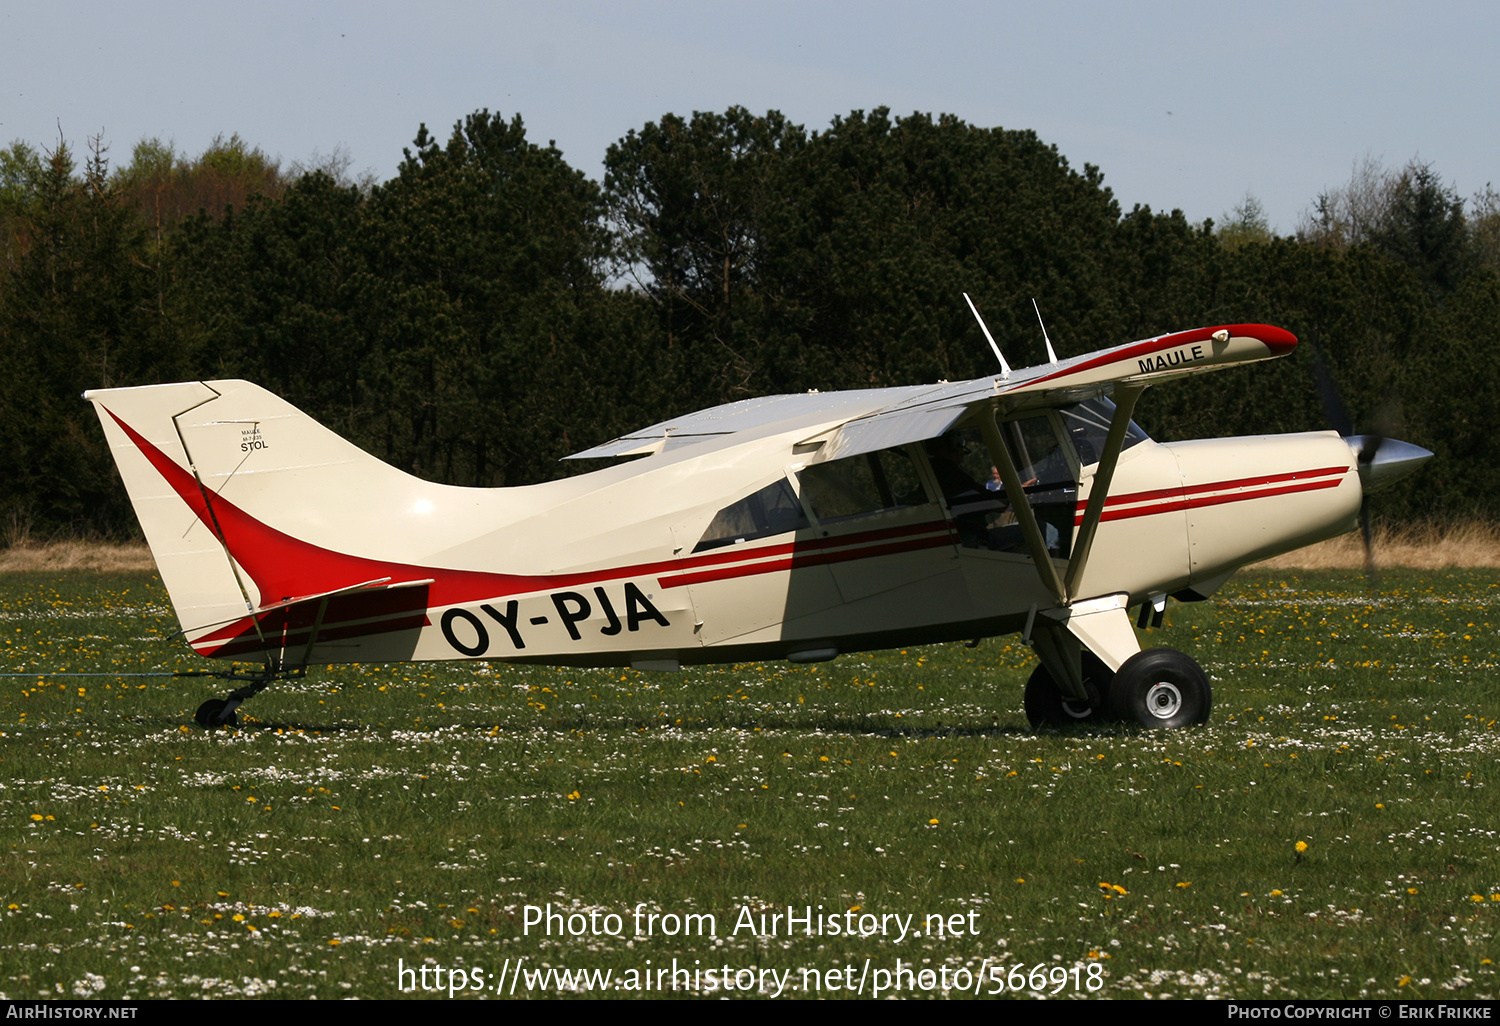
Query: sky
[{"x": 1181, "y": 105}]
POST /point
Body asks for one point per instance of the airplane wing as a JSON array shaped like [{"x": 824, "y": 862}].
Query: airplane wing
[
  {"x": 750, "y": 414},
  {"x": 867, "y": 420},
  {"x": 1142, "y": 363}
]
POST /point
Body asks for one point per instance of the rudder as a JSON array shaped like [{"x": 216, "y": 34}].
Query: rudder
[{"x": 191, "y": 558}]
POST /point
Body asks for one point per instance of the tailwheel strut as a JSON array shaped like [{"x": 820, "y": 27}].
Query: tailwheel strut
[{"x": 221, "y": 712}]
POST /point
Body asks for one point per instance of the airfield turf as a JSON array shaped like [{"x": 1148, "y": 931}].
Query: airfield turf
[{"x": 1331, "y": 833}]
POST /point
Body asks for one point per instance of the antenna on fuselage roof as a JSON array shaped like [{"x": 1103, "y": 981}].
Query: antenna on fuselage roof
[
  {"x": 1004, "y": 367},
  {"x": 1051, "y": 355}
]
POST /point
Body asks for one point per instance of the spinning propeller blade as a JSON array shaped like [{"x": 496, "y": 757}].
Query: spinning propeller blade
[{"x": 1380, "y": 459}]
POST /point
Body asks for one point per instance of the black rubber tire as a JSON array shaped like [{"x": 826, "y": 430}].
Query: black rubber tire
[
  {"x": 1046, "y": 707},
  {"x": 1162, "y": 687},
  {"x": 209, "y": 712}
]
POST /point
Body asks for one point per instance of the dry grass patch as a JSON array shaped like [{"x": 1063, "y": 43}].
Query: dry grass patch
[
  {"x": 1423, "y": 547},
  {"x": 75, "y": 555}
]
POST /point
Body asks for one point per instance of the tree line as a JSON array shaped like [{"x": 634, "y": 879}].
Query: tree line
[{"x": 490, "y": 309}]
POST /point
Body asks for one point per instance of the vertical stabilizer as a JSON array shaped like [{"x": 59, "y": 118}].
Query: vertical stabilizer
[{"x": 192, "y": 560}]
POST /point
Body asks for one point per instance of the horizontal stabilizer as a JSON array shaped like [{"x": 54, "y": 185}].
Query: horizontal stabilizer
[{"x": 287, "y": 631}]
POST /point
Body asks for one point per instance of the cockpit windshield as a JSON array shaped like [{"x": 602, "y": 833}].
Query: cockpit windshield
[{"x": 1087, "y": 424}]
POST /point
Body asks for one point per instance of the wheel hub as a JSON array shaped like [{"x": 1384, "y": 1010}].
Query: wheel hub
[
  {"x": 1086, "y": 708},
  {"x": 1077, "y": 710},
  {"x": 1163, "y": 700}
]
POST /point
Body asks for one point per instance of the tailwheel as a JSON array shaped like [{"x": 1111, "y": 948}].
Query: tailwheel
[
  {"x": 211, "y": 714},
  {"x": 1161, "y": 687},
  {"x": 1047, "y": 706},
  {"x": 220, "y": 712}
]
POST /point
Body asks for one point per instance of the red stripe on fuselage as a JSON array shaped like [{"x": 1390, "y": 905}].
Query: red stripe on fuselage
[
  {"x": 801, "y": 558},
  {"x": 1177, "y": 499}
]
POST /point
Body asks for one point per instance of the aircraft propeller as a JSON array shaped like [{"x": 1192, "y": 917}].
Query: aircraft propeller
[{"x": 1379, "y": 459}]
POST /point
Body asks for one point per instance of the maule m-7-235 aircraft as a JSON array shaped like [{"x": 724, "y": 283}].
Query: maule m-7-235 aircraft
[{"x": 790, "y": 527}]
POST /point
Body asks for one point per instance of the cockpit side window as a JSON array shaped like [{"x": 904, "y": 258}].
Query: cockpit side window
[{"x": 982, "y": 510}]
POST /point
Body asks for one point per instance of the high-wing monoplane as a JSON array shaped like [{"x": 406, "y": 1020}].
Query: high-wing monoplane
[{"x": 788, "y": 527}]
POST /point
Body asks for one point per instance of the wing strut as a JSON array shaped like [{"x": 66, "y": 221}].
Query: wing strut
[{"x": 1125, "y": 397}]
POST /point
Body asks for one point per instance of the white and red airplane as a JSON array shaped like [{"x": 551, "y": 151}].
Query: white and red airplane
[{"x": 789, "y": 527}]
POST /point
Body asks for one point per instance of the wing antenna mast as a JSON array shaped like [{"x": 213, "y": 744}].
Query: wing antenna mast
[
  {"x": 1051, "y": 354},
  {"x": 1004, "y": 367}
]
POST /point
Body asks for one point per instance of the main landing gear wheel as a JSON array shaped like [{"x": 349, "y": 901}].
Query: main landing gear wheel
[
  {"x": 1046, "y": 706},
  {"x": 1161, "y": 687},
  {"x": 211, "y": 714}
]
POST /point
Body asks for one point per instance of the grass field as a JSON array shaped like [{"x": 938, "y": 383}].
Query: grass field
[{"x": 1332, "y": 833}]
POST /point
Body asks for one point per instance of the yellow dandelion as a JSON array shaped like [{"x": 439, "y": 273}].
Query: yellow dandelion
[
  {"x": 1184, "y": 883},
  {"x": 932, "y": 822},
  {"x": 1301, "y": 847}
]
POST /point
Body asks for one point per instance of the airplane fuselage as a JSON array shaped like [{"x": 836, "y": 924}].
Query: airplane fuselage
[{"x": 612, "y": 568}]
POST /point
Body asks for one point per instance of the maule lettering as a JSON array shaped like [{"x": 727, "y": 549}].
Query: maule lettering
[
  {"x": 250, "y": 440},
  {"x": 1166, "y": 361}
]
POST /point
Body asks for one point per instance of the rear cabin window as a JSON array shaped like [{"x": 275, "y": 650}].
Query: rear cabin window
[{"x": 772, "y": 510}]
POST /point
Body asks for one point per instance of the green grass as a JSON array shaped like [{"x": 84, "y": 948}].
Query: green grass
[{"x": 371, "y": 814}]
